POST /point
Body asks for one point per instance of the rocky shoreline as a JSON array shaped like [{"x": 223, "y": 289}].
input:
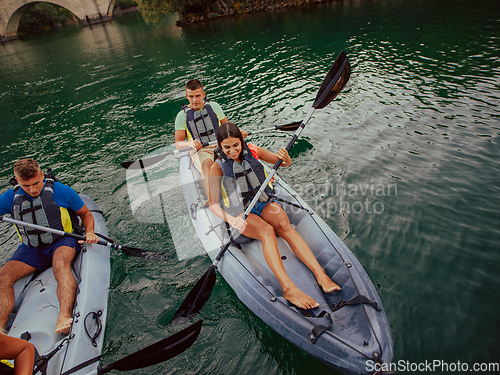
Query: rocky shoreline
[{"x": 232, "y": 8}]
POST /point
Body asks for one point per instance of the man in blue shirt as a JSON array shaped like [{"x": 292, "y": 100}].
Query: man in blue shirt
[{"x": 44, "y": 202}]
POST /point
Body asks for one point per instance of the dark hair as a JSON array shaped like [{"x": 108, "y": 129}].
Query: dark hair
[
  {"x": 26, "y": 168},
  {"x": 230, "y": 130},
  {"x": 194, "y": 84}
]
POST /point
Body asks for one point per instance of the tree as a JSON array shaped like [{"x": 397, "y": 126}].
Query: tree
[
  {"x": 153, "y": 11},
  {"x": 42, "y": 16}
]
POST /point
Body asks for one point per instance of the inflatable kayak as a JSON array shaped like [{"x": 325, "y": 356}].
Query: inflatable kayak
[
  {"x": 348, "y": 332},
  {"x": 36, "y": 309}
]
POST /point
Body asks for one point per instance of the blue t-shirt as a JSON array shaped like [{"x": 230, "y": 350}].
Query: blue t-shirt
[{"x": 63, "y": 196}]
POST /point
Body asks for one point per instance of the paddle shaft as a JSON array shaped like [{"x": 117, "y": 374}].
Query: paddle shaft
[
  {"x": 58, "y": 232},
  {"x": 175, "y": 152},
  {"x": 276, "y": 127},
  {"x": 155, "y": 159}
]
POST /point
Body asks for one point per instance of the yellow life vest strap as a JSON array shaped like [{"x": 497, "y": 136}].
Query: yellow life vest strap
[{"x": 7, "y": 363}]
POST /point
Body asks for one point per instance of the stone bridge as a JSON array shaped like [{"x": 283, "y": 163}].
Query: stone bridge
[{"x": 87, "y": 11}]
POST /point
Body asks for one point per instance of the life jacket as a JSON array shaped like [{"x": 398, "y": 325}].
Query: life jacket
[
  {"x": 6, "y": 367},
  {"x": 43, "y": 211},
  {"x": 202, "y": 125},
  {"x": 241, "y": 181}
]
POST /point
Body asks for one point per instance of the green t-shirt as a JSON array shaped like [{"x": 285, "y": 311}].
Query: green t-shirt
[{"x": 180, "y": 120}]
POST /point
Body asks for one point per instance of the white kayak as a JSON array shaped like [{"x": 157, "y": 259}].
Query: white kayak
[
  {"x": 37, "y": 307},
  {"x": 348, "y": 332}
]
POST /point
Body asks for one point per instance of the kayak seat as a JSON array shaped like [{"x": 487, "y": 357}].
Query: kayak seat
[{"x": 240, "y": 240}]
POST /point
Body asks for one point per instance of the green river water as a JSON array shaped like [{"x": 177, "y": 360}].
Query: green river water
[{"x": 403, "y": 165}]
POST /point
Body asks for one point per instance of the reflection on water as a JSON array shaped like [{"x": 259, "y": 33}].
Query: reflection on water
[
  {"x": 421, "y": 112},
  {"x": 155, "y": 195}
]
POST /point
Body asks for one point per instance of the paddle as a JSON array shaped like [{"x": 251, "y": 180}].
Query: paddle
[
  {"x": 158, "y": 352},
  {"x": 130, "y": 251},
  {"x": 335, "y": 80},
  {"x": 151, "y": 355},
  {"x": 142, "y": 163}
]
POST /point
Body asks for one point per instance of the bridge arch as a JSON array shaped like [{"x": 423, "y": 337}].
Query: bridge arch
[{"x": 87, "y": 11}]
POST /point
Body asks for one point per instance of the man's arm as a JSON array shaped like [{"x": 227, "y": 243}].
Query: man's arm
[
  {"x": 180, "y": 133},
  {"x": 88, "y": 223},
  {"x": 6, "y": 200},
  {"x": 180, "y": 142}
]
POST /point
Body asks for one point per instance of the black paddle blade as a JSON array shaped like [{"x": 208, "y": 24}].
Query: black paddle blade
[
  {"x": 335, "y": 80},
  {"x": 143, "y": 163},
  {"x": 196, "y": 297},
  {"x": 158, "y": 352},
  {"x": 289, "y": 127}
]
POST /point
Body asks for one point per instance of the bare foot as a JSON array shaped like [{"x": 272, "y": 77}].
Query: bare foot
[
  {"x": 326, "y": 283},
  {"x": 297, "y": 297},
  {"x": 63, "y": 325}
]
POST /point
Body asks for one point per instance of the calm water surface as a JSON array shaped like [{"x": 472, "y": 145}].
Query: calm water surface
[{"x": 403, "y": 165}]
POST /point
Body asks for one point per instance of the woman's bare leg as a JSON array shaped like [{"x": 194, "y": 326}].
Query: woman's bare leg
[
  {"x": 257, "y": 228},
  {"x": 274, "y": 215}
]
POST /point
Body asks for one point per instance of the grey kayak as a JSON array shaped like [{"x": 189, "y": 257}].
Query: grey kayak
[
  {"x": 36, "y": 309},
  {"x": 349, "y": 331}
]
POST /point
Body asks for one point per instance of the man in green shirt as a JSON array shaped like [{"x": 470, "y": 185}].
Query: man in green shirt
[{"x": 196, "y": 126}]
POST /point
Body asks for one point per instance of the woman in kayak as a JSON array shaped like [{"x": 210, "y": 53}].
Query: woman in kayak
[{"x": 235, "y": 178}]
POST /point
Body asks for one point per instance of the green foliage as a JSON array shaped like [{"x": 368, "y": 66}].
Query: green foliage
[
  {"x": 153, "y": 11},
  {"x": 43, "y": 16},
  {"x": 125, "y": 4},
  {"x": 240, "y": 7}
]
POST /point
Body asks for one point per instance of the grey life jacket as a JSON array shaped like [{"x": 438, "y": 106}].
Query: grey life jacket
[
  {"x": 241, "y": 181},
  {"x": 43, "y": 211},
  {"x": 202, "y": 125}
]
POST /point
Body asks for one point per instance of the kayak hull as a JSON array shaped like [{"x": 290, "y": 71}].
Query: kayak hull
[
  {"x": 35, "y": 313},
  {"x": 355, "y": 337}
]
